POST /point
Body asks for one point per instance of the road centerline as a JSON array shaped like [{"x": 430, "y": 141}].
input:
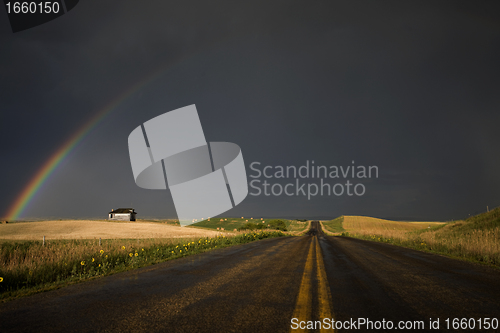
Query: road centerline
[{"x": 304, "y": 304}]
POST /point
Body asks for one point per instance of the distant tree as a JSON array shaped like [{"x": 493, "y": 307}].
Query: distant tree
[{"x": 277, "y": 224}]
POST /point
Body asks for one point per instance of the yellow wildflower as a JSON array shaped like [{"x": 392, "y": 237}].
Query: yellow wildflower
[
  {"x": 1, "y": 279},
  {"x": 102, "y": 251},
  {"x": 130, "y": 254},
  {"x": 123, "y": 247},
  {"x": 136, "y": 254},
  {"x": 82, "y": 263}
]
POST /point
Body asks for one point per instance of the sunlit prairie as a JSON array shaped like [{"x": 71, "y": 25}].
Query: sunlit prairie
[
  {"x": 373, "y": 226},
  {"x": 88, "y": 229}
]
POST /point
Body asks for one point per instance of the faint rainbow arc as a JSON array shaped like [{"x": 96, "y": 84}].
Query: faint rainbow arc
[{"x": 37, "y": 181}]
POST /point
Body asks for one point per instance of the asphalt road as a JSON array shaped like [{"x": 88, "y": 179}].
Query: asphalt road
[{"x": 261, "y": 286}]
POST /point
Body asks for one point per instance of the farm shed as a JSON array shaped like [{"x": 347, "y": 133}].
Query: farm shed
[{"x": 122, "y": 214}]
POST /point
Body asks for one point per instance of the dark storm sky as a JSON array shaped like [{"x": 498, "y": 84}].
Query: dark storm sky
[{"x": 411, "y": 88}]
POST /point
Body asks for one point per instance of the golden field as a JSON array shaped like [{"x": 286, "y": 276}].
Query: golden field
[
  {"x": 73, "y": 251},
  {"x": 89, "y": 229},
  {"x": 364, "y": 225}
]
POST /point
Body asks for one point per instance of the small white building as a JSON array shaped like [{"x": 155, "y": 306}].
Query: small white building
[{"x": 122, "y": 214}]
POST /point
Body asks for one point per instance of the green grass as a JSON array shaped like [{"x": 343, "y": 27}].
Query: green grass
[
  {"x": 229, "y": 223},
  {"x": 296, "y": 225},
  {"x": 334, "y": 225},
  {"x": 28, "y": 267}
]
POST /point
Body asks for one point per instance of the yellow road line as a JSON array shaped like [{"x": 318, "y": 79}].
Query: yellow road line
[
  {"x": 303, "y": 306},
  {"x": 324, "y": 295}
]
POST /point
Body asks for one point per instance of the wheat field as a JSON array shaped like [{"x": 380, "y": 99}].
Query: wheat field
[
  {"x": 90, "y": 229},
  {"x": 364, "y": 225}
]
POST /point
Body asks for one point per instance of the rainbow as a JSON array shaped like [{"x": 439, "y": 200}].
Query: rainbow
[{"x": 36, "y": 182}]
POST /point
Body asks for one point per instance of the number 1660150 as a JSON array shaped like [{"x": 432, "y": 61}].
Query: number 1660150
[{"x": 33, "y": 7}]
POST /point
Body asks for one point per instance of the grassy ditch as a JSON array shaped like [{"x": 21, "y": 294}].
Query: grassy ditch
[
  {"x": 29, "y": 267},
  {"x": 475, "y": 239},
  {"x": 335, "y": 225}
]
